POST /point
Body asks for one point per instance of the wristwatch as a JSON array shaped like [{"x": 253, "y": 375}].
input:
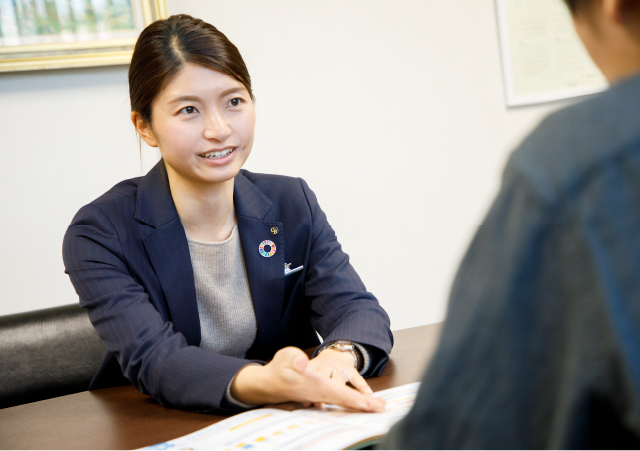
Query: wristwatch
[{"x": 345, "y": 346}]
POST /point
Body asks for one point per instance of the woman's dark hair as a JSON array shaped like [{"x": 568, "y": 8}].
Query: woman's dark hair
[{"x": 165, "y": 46}]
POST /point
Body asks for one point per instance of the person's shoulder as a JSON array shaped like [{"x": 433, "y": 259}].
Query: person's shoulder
[
  {"x": 572, "y": 144},
  {"x": 124, "y": 189},
  {"x": 118, "y": 198},
  {"x": 101, "y": 217}
]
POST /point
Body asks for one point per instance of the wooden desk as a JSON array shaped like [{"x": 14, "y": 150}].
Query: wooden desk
[{"x": 123, "y": 418}]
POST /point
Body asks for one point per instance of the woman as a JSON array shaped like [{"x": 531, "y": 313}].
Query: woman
[{"x": 196, "y": 273}]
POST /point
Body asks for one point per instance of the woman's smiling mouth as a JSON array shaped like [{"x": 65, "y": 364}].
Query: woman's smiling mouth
[{"x": 214, "y": 155}]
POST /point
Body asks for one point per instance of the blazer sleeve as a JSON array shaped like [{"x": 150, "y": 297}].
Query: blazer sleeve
[
  {"x": 342, "y": 308},
  {"x": 155, "y": 358}
]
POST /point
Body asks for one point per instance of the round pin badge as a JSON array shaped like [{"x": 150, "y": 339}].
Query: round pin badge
[{"x": 267, "y": 248}]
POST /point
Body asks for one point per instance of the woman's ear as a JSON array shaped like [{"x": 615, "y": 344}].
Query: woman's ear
[{"x": 143, "y": 129}]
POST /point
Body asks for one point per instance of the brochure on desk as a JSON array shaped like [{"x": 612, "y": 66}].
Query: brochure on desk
[{"x": 328, "y": 428}]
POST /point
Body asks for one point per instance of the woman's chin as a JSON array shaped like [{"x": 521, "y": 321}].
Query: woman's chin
[{"x": 219, "y": 175}]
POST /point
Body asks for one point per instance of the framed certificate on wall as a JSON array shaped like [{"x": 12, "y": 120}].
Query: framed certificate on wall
[
  {"x": 55, "y": 34},
  {"x": 542, "y": 57}
]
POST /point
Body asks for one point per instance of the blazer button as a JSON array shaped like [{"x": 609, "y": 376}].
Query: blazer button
[{"x": 274, "y": 230}]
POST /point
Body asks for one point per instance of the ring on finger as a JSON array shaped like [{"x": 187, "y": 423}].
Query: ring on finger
[{"x": 343, "y": 372}]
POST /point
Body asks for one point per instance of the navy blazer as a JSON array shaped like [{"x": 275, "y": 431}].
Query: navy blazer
[{"x": 128, "y": 258}]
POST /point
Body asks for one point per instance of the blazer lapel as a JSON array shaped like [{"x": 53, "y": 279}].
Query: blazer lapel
[
  {"x": 168, "y": 251},
  {"x": 265, "y": 274}
]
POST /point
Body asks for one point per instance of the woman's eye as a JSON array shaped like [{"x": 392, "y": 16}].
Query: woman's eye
[
  {"x": 188, "y": 110},
  {"x": 235, "y": 102}
]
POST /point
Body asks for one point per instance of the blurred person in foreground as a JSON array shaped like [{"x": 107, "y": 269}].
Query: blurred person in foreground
[{"x": 541, "y": 346}]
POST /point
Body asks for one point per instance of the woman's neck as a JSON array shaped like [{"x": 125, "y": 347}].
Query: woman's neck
[{"x": 206, "y": 211}]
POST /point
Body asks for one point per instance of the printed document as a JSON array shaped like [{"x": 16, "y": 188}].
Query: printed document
[
  {"x": 542, "y": 56},
  {"x": 329, "y": 428}
]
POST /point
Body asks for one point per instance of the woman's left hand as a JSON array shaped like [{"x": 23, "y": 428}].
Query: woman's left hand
[{"x": 339, "y": 366}]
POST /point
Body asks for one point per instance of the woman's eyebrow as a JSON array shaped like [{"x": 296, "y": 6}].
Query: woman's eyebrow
[
  {"x": 192, "y": 98},
  {"x": 231, "y": 91},
  {"x": 186, "y": 98}
]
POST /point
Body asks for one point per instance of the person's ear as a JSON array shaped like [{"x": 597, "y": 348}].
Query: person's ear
[{"x": 143, "y": 129}]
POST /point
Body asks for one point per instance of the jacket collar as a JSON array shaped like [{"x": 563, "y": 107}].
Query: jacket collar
[
  {"x": 248, "y": 199},
  {"x": 266, "y": 276},
  {"x": 154, "y": 204}
]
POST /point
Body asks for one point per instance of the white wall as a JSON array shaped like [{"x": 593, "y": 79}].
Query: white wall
[{"x": 393, "y": 111}]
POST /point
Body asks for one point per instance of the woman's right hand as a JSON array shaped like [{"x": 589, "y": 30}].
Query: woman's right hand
[{"x": 288, "y": 377}]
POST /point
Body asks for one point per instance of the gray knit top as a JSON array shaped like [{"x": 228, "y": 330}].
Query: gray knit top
[{"x": 227, "y": 319}]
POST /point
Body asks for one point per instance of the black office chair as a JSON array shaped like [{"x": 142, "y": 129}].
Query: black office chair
[{"x": 47, "y": 353}]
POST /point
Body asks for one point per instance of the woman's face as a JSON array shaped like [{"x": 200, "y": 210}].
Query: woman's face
[{"x": 203, "y": 121}]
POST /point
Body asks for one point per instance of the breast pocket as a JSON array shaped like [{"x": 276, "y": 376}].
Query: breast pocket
[{"x": 293, "y": 289}]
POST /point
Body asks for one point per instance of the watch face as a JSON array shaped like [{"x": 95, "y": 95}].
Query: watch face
[
  {"x": 343, "y": 345},
  {"x": 346, "y": 346}
]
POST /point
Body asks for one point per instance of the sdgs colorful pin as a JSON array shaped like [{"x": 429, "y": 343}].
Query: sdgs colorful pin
[{"x": 267, "y": 248}]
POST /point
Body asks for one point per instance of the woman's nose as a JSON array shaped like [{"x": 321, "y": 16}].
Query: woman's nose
[{"x": 217, "y": 127}]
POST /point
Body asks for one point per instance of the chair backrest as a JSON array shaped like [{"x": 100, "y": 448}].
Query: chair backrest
[{"x": 47, "y": 353}]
